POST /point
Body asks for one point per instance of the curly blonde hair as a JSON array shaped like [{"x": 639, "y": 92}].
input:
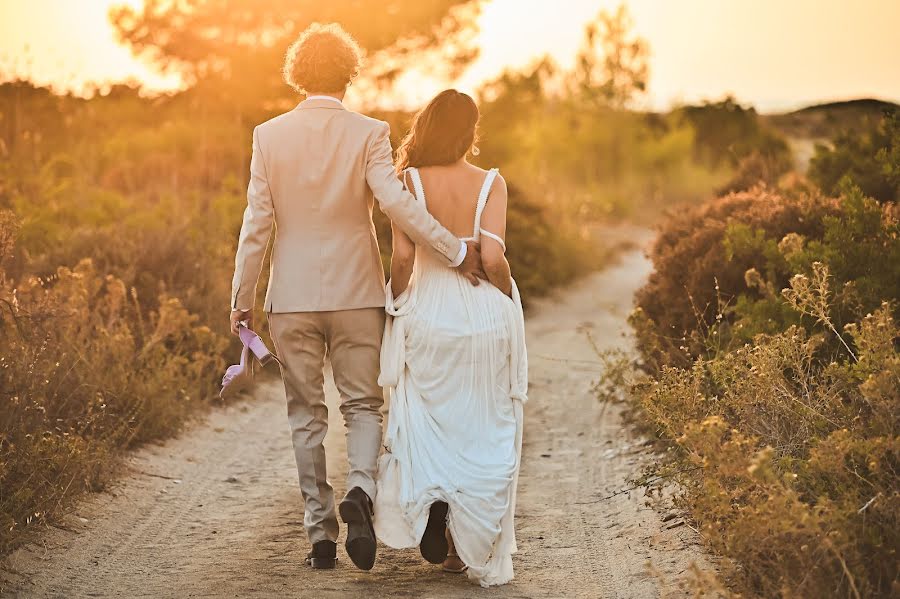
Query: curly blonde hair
[{"x": 324, "y": 58}]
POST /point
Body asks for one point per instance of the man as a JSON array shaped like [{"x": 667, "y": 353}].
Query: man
[{"x": 313, "y": 175}]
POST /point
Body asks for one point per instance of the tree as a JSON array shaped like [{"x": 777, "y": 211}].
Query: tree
[
  {"x": 611, "y": 67},
  {"x": 728, "y": 133},
  {"x": 239, "y": 44}
]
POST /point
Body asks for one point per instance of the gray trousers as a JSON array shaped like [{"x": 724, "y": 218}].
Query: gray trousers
[{"x": 352, "y": 340}]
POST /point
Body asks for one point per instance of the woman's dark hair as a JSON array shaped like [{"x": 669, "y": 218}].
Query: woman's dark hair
[{"x": 441, "y": 133}]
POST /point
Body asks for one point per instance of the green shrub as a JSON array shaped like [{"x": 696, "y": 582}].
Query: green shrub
[
  {"x": 768, "y": 333},
  {"x": 719, "y": 268},
  {"x": 695, "y": 280},
  {"x": 859, "y": 245},
  {"x": 869, "y": 157},
  {"x": 728, "y": 133}
]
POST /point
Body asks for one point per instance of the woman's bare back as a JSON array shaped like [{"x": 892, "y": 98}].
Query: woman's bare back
[{"x": 451, "y": 193}]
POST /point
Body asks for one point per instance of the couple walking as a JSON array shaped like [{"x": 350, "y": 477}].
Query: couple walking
[{"x": 445, "y": 336}]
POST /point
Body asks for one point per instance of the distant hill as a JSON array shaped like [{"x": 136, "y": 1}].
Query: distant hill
[
  {"x": 860, "y": 104},
  {"x": 824, "y": 121}
]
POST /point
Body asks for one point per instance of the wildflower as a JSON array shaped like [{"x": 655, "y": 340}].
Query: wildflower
[
  {"x": 752, "y": 279},
  {"x": 791, "y": 244}
]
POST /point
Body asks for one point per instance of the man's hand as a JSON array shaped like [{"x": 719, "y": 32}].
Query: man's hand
[
  {"x": 471, "y": 267},
  {"x": 241, "y": 316}
]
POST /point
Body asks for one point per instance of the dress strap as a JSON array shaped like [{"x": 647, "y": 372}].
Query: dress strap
[
  {"x": 482, "y": 200},
  {"x": 418, "y": 189},
  {"x": 495, "y": 237}
]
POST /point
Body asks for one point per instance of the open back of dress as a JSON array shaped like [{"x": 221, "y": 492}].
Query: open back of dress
[{"x": 454, "y": 360}]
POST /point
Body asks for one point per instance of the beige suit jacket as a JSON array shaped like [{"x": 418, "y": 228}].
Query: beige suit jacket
[{"x": 314, "y": 174}]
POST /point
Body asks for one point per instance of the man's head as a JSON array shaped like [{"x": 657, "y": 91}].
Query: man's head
[{"x": 324, "y": 59}]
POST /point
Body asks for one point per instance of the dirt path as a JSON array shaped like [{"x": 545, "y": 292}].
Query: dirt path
[{"x": 217, "y": 512}]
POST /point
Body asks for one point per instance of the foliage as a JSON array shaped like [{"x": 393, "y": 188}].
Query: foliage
[
  {"x": 239, "y": 44},
  {"x": 719, "y": 268},
  {"x": 768, "y": 334},
  {"x": 611, "y": 67},
  {"x": 728, "y": 133},
  {"x": 772, "y": 441},
  {"x": 859, "y": 246},
  {"x": 695, "y": 280},
  {"x": 757, "y": 168},
  {"x": 85, "y": 371},
  {"x": 151, "y": 197},
  {"x": 584, "y": 158},
  {"x": 869, "y": 157}
]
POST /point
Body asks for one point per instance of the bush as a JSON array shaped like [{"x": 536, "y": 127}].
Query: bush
[
  {"x": 869, "y": 157},
  {"x": 727, "y": 132},
  {"x": 695, "y": 279},
  {"x": 85, "y": 372},
  {"x": 860, "y": 248},
  {"x": 788, "y": 463},
  {"x": 769, "y": 334},
  {"x": 719, "y": 267},
  {"x": 755, "y": 169}
]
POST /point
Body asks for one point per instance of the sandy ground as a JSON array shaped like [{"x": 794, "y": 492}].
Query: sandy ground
[{"x": 217, "y": 512}]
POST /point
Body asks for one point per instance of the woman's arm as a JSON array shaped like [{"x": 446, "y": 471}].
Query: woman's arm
[
  {"x": 403, "y": 259},
  {"x": 499, "y": 274},
  {"x": 493, "y": 256},
  {"x": 403, "y": 254}
]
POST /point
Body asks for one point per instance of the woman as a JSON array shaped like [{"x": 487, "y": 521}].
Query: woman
[{"x": 454, "y": 359}]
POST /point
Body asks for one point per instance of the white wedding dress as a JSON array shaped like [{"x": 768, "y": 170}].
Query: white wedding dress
[{"x": 454, "y": 360}]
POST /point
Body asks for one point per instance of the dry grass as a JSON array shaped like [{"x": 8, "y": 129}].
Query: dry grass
[{"x": 84, "y": 372}]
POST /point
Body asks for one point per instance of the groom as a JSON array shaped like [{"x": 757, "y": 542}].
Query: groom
[{"x": 314, "y": 174}]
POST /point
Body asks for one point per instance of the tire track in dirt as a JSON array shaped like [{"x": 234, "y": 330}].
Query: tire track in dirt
[{"x": 227, "y": 519}]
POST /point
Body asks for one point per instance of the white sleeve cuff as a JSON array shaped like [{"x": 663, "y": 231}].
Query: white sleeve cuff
[{"x": 461, "y": 255}]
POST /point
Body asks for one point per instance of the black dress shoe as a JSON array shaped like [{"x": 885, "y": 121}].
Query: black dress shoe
[
  {"x": 323, "y": 555},
  {"x": 356, "y": 511},
  {"x": 434, "y": 546}
]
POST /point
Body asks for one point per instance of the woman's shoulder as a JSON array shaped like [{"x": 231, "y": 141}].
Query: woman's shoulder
[
  {"x": 464, "y": 176},
  {"x": 481, "y": 171}
]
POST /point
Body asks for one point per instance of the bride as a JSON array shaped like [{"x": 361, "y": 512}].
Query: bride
[{"x": 454, "y": 360}]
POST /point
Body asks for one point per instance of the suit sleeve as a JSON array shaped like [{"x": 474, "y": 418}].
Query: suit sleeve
[
  {"x": 255, "y": 233},
  {"x": 400, "y": 205}
]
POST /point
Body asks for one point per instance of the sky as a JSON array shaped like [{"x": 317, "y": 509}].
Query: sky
[{"x": 775, "y": 54}]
